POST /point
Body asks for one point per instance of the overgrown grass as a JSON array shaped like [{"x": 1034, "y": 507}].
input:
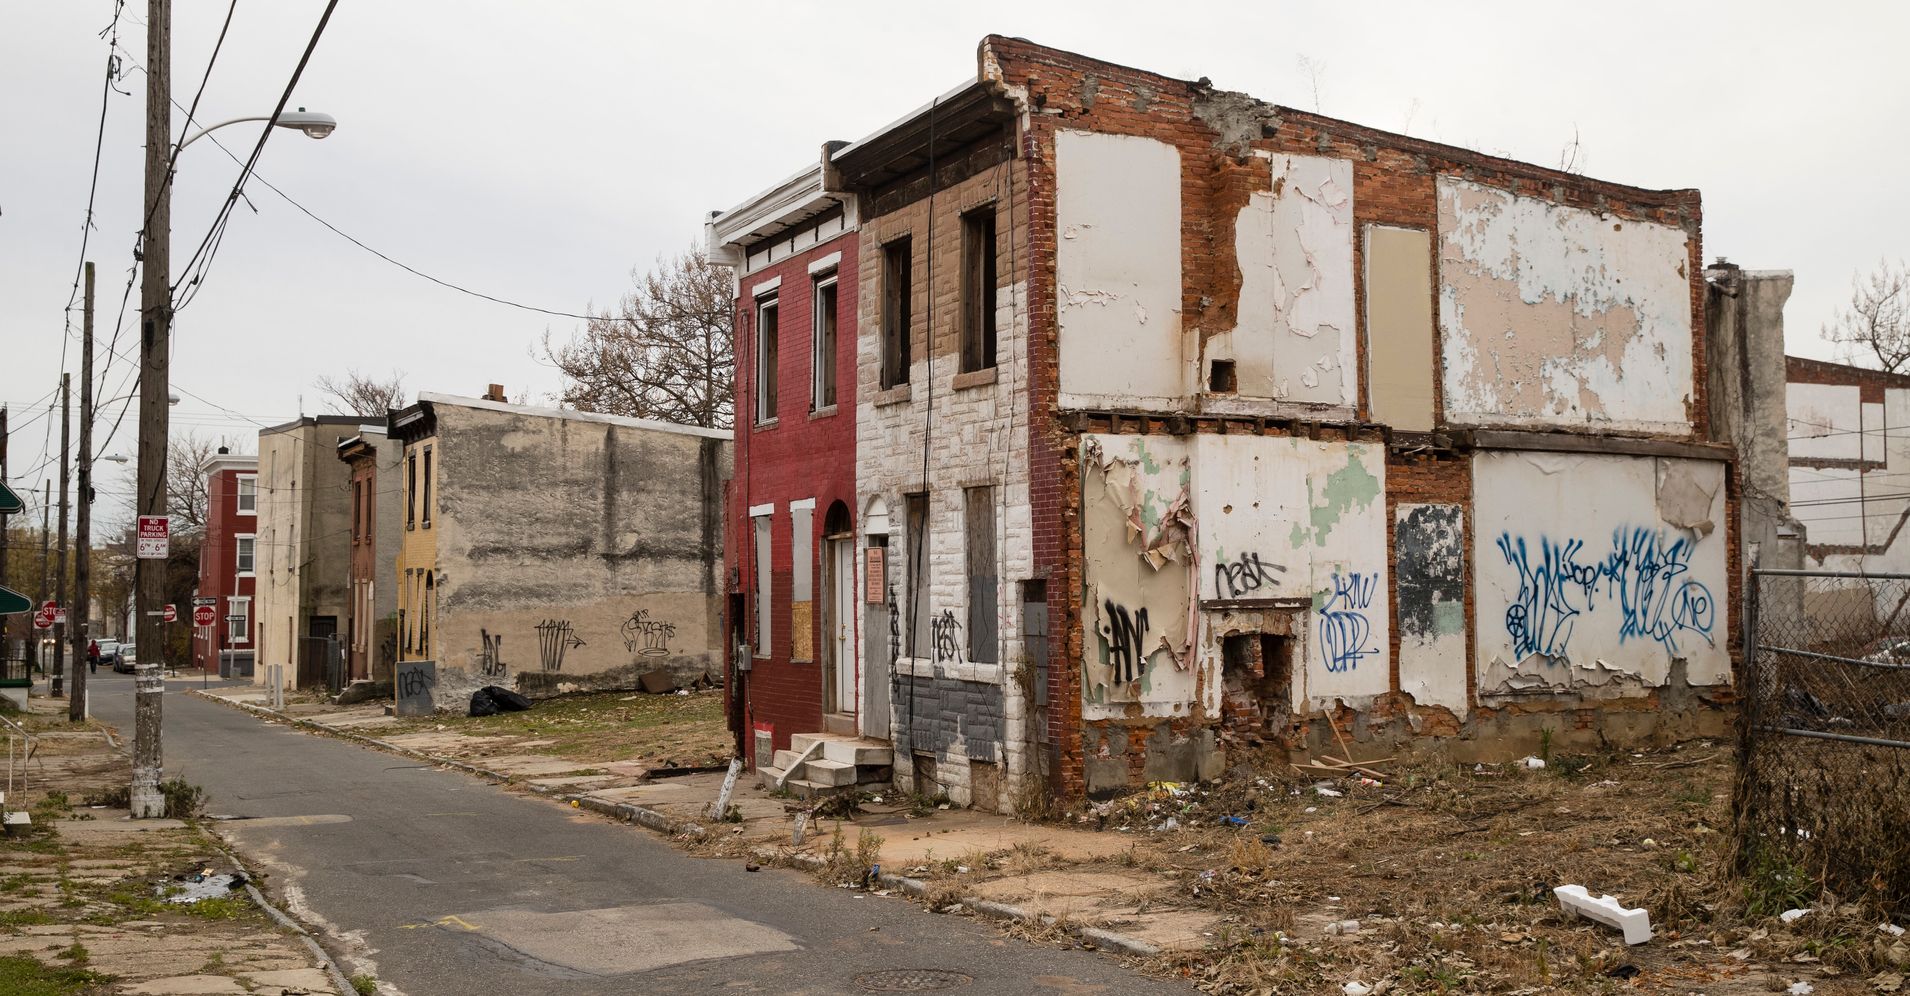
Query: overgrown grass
[
  {"x": 364, "y": 984},
  {"x": 23, "y": 976},
  {"x": 685, "y": 730}
]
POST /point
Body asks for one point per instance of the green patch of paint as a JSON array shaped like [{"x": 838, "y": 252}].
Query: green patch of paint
[
  {"x": 1449, "y": 619},
  {"x": 1297, "y": 538},
  {"x": 1351, "y": 485},
  {"x": 1147, "y": 462}
]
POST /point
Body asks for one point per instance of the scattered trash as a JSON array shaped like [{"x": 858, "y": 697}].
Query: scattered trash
[
  {"x": 1330, "y": 793},
  {"x": 1890, "y": 928},
  {"x": 951, "y": 908},
  {"x": 198, "y": 885},
  {"x": 1341, "y": 928},
  {"x": 491, "y": 700},
  {"x": 961, "y": 869},
  {"x": 1635, "y": 923},
  {"x": 1312, "y": 809},
  {"x": 1356, "y": 989},
  {"x": 657, "y": 682},
  {"x": 1801, "y": 989},
  {"x": 1170, "y": 824},
  {"x": 1792, "y": 916},
  {"x": 1270, "y": 839},
  {"x": 1369, "y": 783},
  {"x": 1233, "y": 821},
  {"x": 752, "y": 867},
  {"x": 1625, "y": 971},
  {"x": 1648, "y": 842},
  {"x": 1533, "y": 763}
]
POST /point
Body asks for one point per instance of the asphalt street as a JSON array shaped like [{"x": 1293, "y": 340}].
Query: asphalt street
[{"x": 441, "y": 883}]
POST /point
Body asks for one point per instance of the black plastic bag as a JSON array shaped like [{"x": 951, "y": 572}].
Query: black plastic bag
[
  {"x": 482, "y": 704},
  {"x": 507, "y": 700}
]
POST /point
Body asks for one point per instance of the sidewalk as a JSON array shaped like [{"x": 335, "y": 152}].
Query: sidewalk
[{"x": 82, "y": 894}]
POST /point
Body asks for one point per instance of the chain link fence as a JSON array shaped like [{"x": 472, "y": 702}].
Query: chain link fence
[{"x": 1823, "y": 793}]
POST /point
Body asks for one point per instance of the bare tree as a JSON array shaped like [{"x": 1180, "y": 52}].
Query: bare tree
[
  {"x": 666, "y": 353},
  {"x": 358, "y": 394},
  {"x": 1877, "y": 320},
  {"x": 186, "y": 494}
]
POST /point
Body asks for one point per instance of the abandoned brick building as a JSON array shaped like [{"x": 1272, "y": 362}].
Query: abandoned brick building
[{"x": 1184, "y": 421}]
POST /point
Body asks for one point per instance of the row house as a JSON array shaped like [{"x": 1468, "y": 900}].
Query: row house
[
  {"x": 228, "y": 564},
  {"x": 551, "y": 551},
  {"x": 304, "y": 554},
  {"x": 371, "y": 599},
  {"x": 1186, "y": 423}
]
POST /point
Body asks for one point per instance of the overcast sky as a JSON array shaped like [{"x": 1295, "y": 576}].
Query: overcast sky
[{"x": 538, "y": 152}]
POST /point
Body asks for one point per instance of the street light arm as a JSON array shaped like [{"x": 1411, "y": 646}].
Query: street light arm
[{"x": 201, "y": 133}]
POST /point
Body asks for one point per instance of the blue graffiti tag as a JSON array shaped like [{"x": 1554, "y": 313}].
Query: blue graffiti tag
[
  {"x": 1344, "y": 628},
  {"x": 1642, "y": 576}
]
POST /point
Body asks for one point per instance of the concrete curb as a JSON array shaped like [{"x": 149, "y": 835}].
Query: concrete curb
[
  {"x": 1100, "y": 938},
  {"x": 332, "y": 968}
]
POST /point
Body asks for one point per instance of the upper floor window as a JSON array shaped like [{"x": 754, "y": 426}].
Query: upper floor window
[
  {"x": 244, "y": 555},
  {"x": 822, "y": 346},
  {"x": 978, "y": 289},
  {"x": 767, "y": 334},
  {"x": 411, "y": 490},
  {"x": 357, "y": 511},
  {"x": 249, "y": 494},
  {"x": 425, "y": 512},
  {"x": 897, "y": 300}
]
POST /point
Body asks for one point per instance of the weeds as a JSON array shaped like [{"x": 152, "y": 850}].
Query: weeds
[
  {"x": 184, "y": 800},
  {"x": 364, "y": 984}
]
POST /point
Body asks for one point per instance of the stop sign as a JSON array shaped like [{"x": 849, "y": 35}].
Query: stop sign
[
  {"x": 43, "y": 619},
  {"x": 204, "y": 615},
  {"x": 172, "y": 614}
]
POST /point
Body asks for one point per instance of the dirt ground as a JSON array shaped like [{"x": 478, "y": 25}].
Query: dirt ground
[
  {"x": 667, "y": 730},
  {"x": 1447, "y": 869}
]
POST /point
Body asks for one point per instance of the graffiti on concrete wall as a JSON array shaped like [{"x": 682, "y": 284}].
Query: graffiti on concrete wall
[
  {"x": 490, "y": 659},
  {"x": 555, "y": 638},
  {"x": 1430, "y": 581},
  {"x": 1125, "y": 631},
  {"x": 946, "y": 633},
  {"x": 1346, "y": 634},
  {"x": 1244, "y": 576},
  {"x": 647, "y": 636},
  {"x": 1643, "y": 576}
]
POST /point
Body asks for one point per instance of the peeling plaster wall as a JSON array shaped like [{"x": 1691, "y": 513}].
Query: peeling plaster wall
[
  {"x": 1295, "y": 340},
  {"x": 1118, "y": 270},
  {"x": 1429, "y": 546},
  {"x": 1559, "y": 316},
  {"x": 1282, "y": 533},
  {"x": 1595, "y": 573},
  {"x": 1287, "y": 518}
]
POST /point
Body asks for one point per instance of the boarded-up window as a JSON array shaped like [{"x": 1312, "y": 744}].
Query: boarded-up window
[
  {"x": 411, "y": 490},
  {"x": 1399, "y": 327},
  {"x": 822, "y": 347},
  {"x": 984, "y": 613},
  {"x": 978, "y": 289},
  {"x": 766, "y": 349},
  {"x": 897, "y": 299},
  {"x": 425, "y": 503},
  {"x": 802, "y": 541},
  {"x": 917, "y": 622},
  {"x": 761, "y": 594}
]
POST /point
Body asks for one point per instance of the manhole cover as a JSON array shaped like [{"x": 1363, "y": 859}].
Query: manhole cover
[{"x": 911, "y": 980}]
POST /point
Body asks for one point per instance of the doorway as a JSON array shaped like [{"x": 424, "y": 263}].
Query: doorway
[{"x": 839, "y": 588}]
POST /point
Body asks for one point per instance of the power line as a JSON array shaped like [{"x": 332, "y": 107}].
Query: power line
[{"x": 201, "y": 259}]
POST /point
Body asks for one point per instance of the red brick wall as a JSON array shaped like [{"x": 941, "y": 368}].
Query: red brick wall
[
  {"x": 804, "y": 455},
  {"x": 217, "y": 560}
]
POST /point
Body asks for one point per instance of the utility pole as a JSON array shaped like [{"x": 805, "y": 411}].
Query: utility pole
[
  {"x": 155, "y": 313},
  {"x": 83, "y": 551},
  {"x": 5, "y": 635},
  {"x": 60, "y": 582}
]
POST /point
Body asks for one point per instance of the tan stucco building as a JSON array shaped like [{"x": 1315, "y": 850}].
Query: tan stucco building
[{"x": 551, "y": 551}]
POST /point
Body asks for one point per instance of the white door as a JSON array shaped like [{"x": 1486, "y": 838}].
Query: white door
[{"x": 842, "y": 618}]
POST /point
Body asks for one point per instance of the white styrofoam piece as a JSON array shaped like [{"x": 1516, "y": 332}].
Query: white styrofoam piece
[{"x": 1636, "y": 924}]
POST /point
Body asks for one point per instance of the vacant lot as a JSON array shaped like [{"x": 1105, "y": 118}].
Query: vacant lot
[{"x": 666, "y": 730}]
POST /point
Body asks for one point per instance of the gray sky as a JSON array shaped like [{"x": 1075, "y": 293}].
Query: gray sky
[{"x": 538, "y": 152}]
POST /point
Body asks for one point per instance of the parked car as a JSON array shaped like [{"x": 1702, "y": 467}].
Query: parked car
[
  {"x": 108, "y": 649},
  {"x": 126, "y": 659}
]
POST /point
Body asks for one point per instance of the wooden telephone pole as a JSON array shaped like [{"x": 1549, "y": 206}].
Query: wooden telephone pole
[
  {"x": 59, "y": 574},
  {"x": 155, "y": 335},
  {"x": 83, "y": 528}
]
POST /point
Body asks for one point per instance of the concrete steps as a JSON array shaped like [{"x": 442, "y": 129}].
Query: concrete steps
[{"x": 821, "y": 764}]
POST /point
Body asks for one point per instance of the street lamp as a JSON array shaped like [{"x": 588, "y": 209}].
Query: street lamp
[
  {"x": 155, "y": 339},
  {"x": 313, "y": 123}
]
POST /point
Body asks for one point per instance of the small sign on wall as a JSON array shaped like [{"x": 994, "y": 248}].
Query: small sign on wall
[{"x": 873, "y": 571}]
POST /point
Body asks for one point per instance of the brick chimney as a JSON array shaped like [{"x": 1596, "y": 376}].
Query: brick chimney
[{"x": 496, "y": 393}]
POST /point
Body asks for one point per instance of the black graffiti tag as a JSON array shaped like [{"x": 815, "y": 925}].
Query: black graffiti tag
[
  {"x": 555, "y": 637},
  {"x": 1125, "y": 632},
  {"x": 491, "y": 662},
  {"x": 413, "y": 682},
  {"x": 948, "y": 637},
  {"x": 1244, "y": 576}
]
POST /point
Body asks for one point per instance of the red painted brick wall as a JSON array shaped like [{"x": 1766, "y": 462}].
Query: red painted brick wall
[{"x": 803, "y": 455}]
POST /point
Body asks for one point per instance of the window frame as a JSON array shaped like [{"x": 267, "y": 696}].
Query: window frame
[
  {"x": 823, "y": 344},
  {"x": 917, "y": 518},
  {"x": 411, "y": 490},
  {"x": 981, "y": 290},
  {"x": 249, "y": 544},
  {"x": 763, "y": 548},
  {"x": 898, "y": 311},
  {"x": 239, "y": 631},
  {"x": 240, "y": 494},
  {"x": 768, "y": 357},
  {"x": 425, "y": 504}
]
